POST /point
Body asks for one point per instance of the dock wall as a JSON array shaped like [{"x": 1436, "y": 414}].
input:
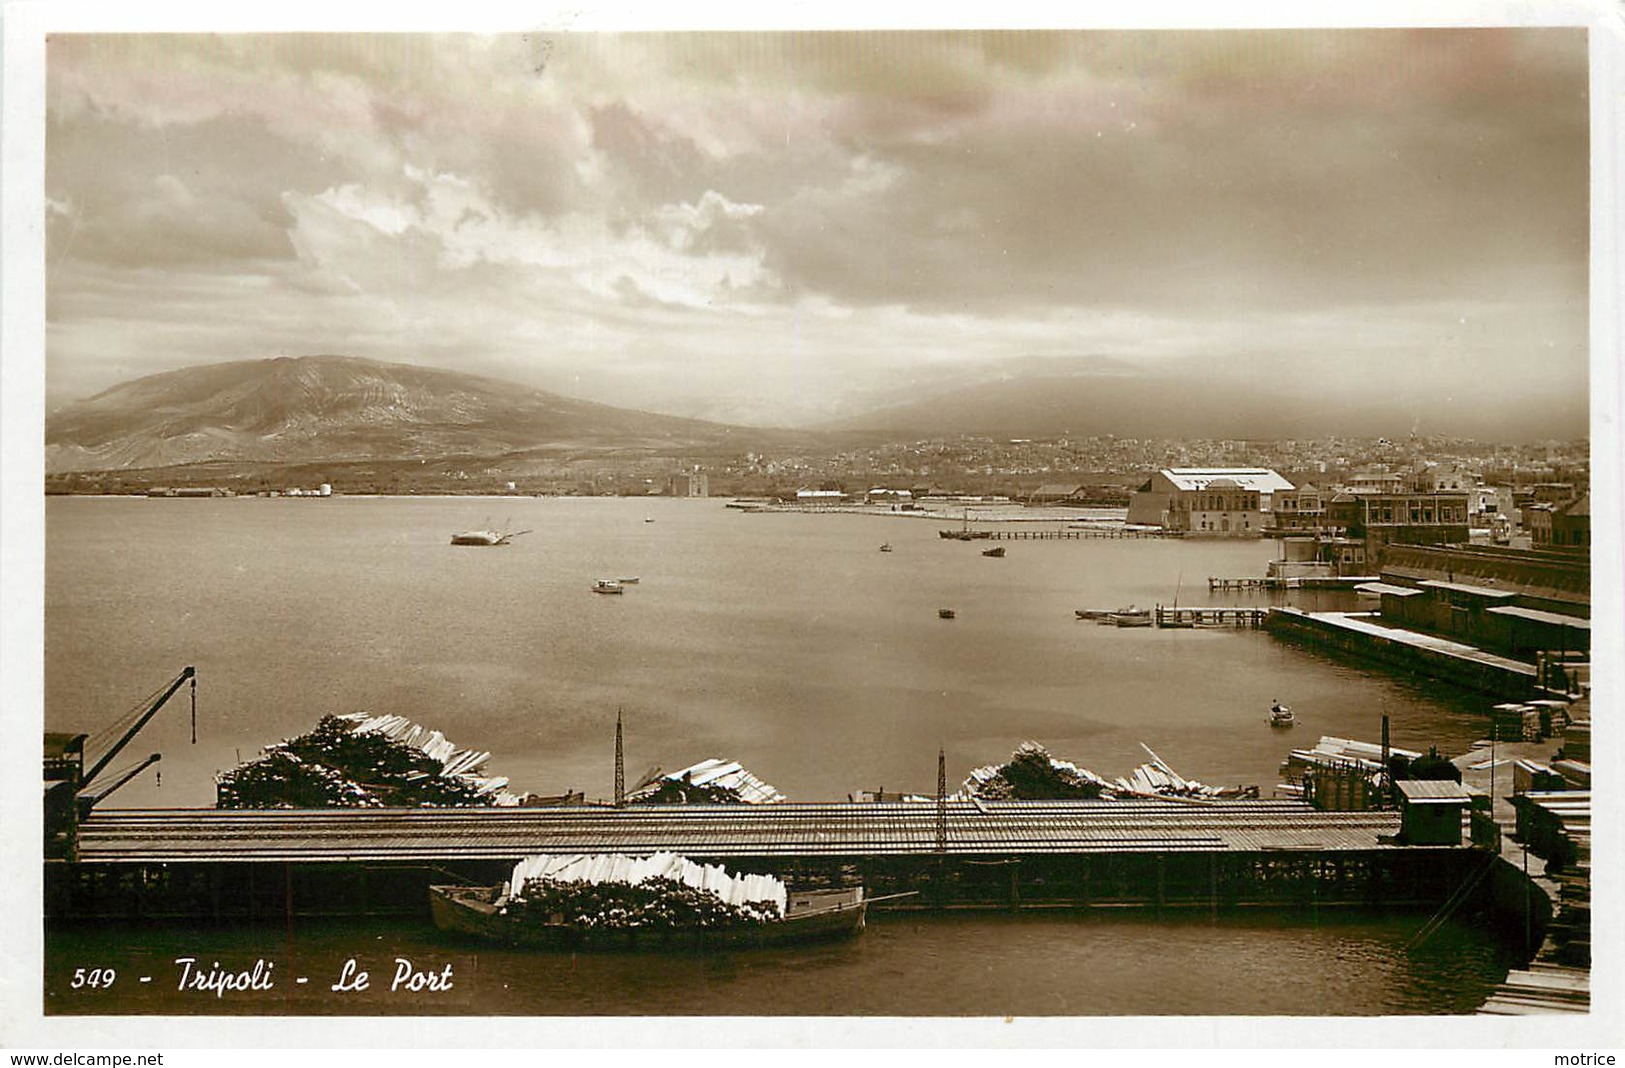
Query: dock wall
[
  {"x": 1215, "y": 880},
  {"x": 1491, "y": 675}
]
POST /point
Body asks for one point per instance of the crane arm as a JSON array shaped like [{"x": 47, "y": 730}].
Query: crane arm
[
  {"x": 89, "y": 801},
  {"x": 118, "y": 746}
]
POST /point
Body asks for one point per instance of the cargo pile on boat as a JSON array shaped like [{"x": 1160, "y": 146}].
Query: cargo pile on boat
[
  {"x": 362, "y": 761},
  {"x": 710, "y": 782},
  {"x": 665, "y": 890}
]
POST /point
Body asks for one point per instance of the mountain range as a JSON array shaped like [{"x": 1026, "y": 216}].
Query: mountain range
[
  {"x": 344, "y": 408},
  {"x": 312, "y": 409}
]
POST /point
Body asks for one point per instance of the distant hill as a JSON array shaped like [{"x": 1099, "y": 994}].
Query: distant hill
[
  {"x": 337, "y": 408},
  {"x": 1098, "y": 397}
]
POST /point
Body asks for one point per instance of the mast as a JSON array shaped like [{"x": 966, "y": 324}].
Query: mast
[{"x": 620, "y": 764}]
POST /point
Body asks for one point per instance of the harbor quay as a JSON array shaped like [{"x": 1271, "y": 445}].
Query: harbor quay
[
  {"x": 1358, "y": 634},
  {"x": 198, "y": 865}
]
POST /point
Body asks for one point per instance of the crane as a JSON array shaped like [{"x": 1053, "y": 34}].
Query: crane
[
  {"x": 68, "y": 797},
  {"x": 188, "y": 674}
]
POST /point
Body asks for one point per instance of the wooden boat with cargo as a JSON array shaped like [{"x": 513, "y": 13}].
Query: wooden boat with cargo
[{"x": 663, "y": 901}]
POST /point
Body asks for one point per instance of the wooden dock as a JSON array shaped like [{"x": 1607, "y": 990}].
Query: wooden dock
[
  {"x": 1210, "y": 616},
  {"x": 1069, "y": 535},
  {"x": 1297, "y": 582}
]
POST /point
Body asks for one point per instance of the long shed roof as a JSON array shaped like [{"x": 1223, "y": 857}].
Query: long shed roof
[
  {"x": 712, "y": 831},
  {"x": 1262, "y": 479}
]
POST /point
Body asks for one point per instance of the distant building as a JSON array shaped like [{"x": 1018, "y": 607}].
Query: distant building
[
  {"x": 1552, "y": 492},
  {"x": 1055, "y": 491},
  {"x": 1440, "y": 478},
  {"x": 1560, "y": 526},
  {"x": 1375, "y": 480},
  {"x": 688, "y": 484},
  {"x": 1300, "y": 508},
  {"x": 1220, "y": 502},
  {"x": 820, "y": 496},
  {"x": 1384, "y": 519}
]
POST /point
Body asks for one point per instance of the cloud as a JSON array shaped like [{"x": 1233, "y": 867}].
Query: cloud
[{"x": 793, "y": 222}]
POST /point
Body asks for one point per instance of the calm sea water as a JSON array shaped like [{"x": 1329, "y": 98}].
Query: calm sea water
[{"x": 784, "y": 641}]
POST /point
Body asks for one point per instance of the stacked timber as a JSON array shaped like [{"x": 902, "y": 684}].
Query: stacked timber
[
  {"x": 1540, "y": 989},
  {"x": 362, "y": 761},
  {"x": 1514, "y": 722},
  {"x": 1333, "y": 753},
  {"x": 455, "y": 763},
  {"x": 1032, "y": 774},
  {"x": 1577, "y": 741},
  {"x": 713, "y": 782}
]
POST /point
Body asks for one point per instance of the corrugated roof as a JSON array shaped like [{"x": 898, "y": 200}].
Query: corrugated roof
[
  {"x": 714, "y": 831},
  {"x": 1431, "y": 791}
]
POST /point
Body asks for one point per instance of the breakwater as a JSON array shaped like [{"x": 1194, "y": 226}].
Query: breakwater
[{"x": 1358, "y": 635}]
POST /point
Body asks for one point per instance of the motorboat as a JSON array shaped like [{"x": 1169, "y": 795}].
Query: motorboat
[
  {"x": 1130, "y": 617},
  {"x": 607, "y": 586},
  {"x": 485, "y": 537},
  {"x": 1281, "y": 716}
]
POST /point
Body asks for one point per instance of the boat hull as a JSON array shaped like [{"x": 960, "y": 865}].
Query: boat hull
[
  {"x": 477, "y": 538},
  {"x": 817, "y": 916}
]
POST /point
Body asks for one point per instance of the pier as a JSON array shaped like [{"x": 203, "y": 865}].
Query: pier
[
  {"x": 956, "y": 854},
  {"x": 1360, "y": 634},
  {"x": 1297, "y": 582},
  {"x": 1068, "y": 535},
  {"x": 1209, "y": 616}
]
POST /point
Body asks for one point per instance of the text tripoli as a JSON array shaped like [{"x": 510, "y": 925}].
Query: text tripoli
[{"x": 218, "y": 980}]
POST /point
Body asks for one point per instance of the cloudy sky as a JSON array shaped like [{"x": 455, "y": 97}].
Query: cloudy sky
[{"x": 775, "y": 228}]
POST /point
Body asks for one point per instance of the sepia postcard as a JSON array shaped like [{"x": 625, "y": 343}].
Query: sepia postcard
[{"x": 822, "y": 529}]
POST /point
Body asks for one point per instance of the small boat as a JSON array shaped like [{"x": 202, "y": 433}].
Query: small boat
[
  {"x": 485, "y": 537},
  {"x": 607, "y": 586},
  {"x": 945, "y": 613},
  {"x": 1130, "y": 617},
  {"x": 1091, "y": 613},
  {"x": 633, "y": 581},
  {"x": 997, "y": 552},
  {"x": 498, "y": 914},
  {"x": 1280, "y": 716},
  {"x": 886, "y": 548},
  {"x": 648, "y": 519}
]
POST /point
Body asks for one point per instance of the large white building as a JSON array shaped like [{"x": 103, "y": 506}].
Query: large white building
[{"x": 1219, "y": 502}]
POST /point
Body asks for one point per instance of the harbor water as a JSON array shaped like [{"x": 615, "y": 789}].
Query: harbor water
[
  {"x": 787, "y": 642},
  {"x": 1106, "y": 963}
]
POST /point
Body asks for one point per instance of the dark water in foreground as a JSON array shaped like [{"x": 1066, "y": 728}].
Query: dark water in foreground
[{"x": 1103, "y": 963}]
